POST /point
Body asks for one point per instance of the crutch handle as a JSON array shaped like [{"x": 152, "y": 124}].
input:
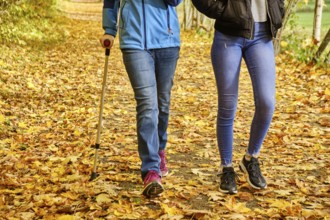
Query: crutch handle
[{"x": 107, "y": 43}]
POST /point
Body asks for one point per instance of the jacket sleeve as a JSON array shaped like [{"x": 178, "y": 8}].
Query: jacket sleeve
[
  {"x": 173, "y": 2},
  {"x": 109, "y": 16},
  {"x": 210, "y": 8}
]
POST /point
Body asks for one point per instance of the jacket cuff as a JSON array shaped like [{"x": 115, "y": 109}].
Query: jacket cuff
[{"x": 110, "y": 32}]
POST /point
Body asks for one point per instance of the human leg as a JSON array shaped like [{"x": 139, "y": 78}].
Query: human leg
[
  {"x": 165, "y": 65},
  {"x": 259, "y": 57},
  {"x": 166, "y": 61},
  {"x": 226, "y": 57},
  {"x": 226, "y": 54},
  {"x": 141, "y": 71}
]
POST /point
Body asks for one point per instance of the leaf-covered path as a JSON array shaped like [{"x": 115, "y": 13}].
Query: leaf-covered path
[{"x": 49, "y": 101}]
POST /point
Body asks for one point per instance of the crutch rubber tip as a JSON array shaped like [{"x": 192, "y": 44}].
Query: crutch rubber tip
[{"x": 94, "y": 176}]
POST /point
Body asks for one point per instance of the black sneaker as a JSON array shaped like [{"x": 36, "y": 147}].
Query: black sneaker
[
  {"x": 228, "y": 180},
  {"x": 252, "y": 170}
]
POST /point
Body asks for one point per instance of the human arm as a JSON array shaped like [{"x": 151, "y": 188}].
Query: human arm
[
  {"x": 210, "y": 8},
  {"x": 109, "y": 21}
]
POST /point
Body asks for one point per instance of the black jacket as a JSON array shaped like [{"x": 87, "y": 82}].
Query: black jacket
[{"x": 234, "y": 17}]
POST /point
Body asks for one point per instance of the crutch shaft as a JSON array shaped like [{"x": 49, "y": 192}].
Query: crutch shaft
[{"x": 99, "y": 127}]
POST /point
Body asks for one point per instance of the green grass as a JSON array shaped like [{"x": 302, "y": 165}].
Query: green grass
[
  {"x": 305, "y": 22},
  {"x": 305, "y": 19}
]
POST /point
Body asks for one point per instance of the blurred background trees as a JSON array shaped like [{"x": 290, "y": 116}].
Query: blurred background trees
[
  {"x": 304, "y": 27},
  {"x": 303, "y": 36},
  {"x": 28, "y": 21}
]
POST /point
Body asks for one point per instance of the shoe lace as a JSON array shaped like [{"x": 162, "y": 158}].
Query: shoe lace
[
  {"x": 254, "y": 167},
  {"x": 228, "y": 176}
]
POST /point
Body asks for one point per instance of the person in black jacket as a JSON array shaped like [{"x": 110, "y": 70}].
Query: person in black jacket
[{"x": 243, "y": 30}]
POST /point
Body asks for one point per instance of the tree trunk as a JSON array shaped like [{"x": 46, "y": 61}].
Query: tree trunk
[
  {"x": 327, "y": 59},
  {"x": 187, "y": 15},
  {"x": 323, "y": 45},
  {"x": 192, "y": 19},
  {"x": 317, "y": 21},
  {"x": 291, "y": 4}
]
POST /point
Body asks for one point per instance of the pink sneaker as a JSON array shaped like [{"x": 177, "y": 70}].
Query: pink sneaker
[
  {"x": 163, "y": 167},
  {"x": 152, "y": 184}
]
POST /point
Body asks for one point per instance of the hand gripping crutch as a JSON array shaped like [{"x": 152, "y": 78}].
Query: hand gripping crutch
[{"x": 94, "y": 174}]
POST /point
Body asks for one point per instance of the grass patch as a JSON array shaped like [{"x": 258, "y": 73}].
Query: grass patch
[
  {"x": 305, "y": 22},
  {"x": 305, "y": 19}
]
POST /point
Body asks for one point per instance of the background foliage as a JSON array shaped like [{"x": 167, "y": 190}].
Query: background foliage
[
  {"x": 31, "y": 21},
  {"x": 27, "y": 21},
  {"x": 297, "y": 35}
]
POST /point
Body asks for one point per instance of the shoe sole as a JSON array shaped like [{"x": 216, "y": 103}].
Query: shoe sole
[
  {"x": 228, "y": 192},
  {"x": 244, "y": 170},
  {"x": 165, "y": 173},
  {"x": 153, "y": 189}
]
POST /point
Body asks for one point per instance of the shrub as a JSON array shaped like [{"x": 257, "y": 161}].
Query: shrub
[{"x": 28, "y": 21}]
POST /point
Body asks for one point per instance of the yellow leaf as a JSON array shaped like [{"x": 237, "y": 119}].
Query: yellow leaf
[
  {"x": 95, "y": 207},
  {"x": 19, "y": 165},
  {"x": 283, "y": 192},
  {"x": 215, "y": 196},
  {"x": 189, "y": 118},
  {"x": 22, "y": 125},
  {"x": 77, "y": 133},
  {"x": 2, "y": 119},
  {"x": 232, "y": 205},
  {"x": 70, "y": 195},
  {"x": 29, "y": 185},
  {"x": 66, "y": 217},
  {"x": 284, "y": 44},
  {"x": 50, "y": 81},
  {"x": 103, "y": 198},
  {"x": 8, "y": 191},
  {"x": 37, "y": 163},
  {"x": 279, "y": 203},
  {"x": 73, "y": 177},
  {"x": 170, "y": 210},
  {"x": 191, "y": 99},
  {"x": 200, "y": 123},
  {"x": 30, "y": 85},
  {"x": 241, "y": 207},
  {"x": 49, "y": 123},
  {"x": 301, "y": 186},
  {"x": 327, "y": 91},
  {"x": 236, "y": 216},
  {"x": 192, "y": 183}
]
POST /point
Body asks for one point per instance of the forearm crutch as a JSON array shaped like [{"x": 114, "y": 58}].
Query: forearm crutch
[{"x": 94, "y": 174}]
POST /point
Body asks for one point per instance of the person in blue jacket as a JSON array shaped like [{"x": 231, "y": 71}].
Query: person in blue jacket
[{"x": 149, "y": 36}]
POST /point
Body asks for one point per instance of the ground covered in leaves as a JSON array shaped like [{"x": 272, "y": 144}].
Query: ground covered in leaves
[{"x": 49, "y": 101}]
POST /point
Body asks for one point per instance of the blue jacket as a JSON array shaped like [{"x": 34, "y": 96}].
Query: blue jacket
[{"x": 142, "y": 24}]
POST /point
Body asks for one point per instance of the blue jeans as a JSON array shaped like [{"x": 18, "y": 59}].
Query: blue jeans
[
  {"x": 151, "y": 74},
  {"x": 227, "y": 53}
]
